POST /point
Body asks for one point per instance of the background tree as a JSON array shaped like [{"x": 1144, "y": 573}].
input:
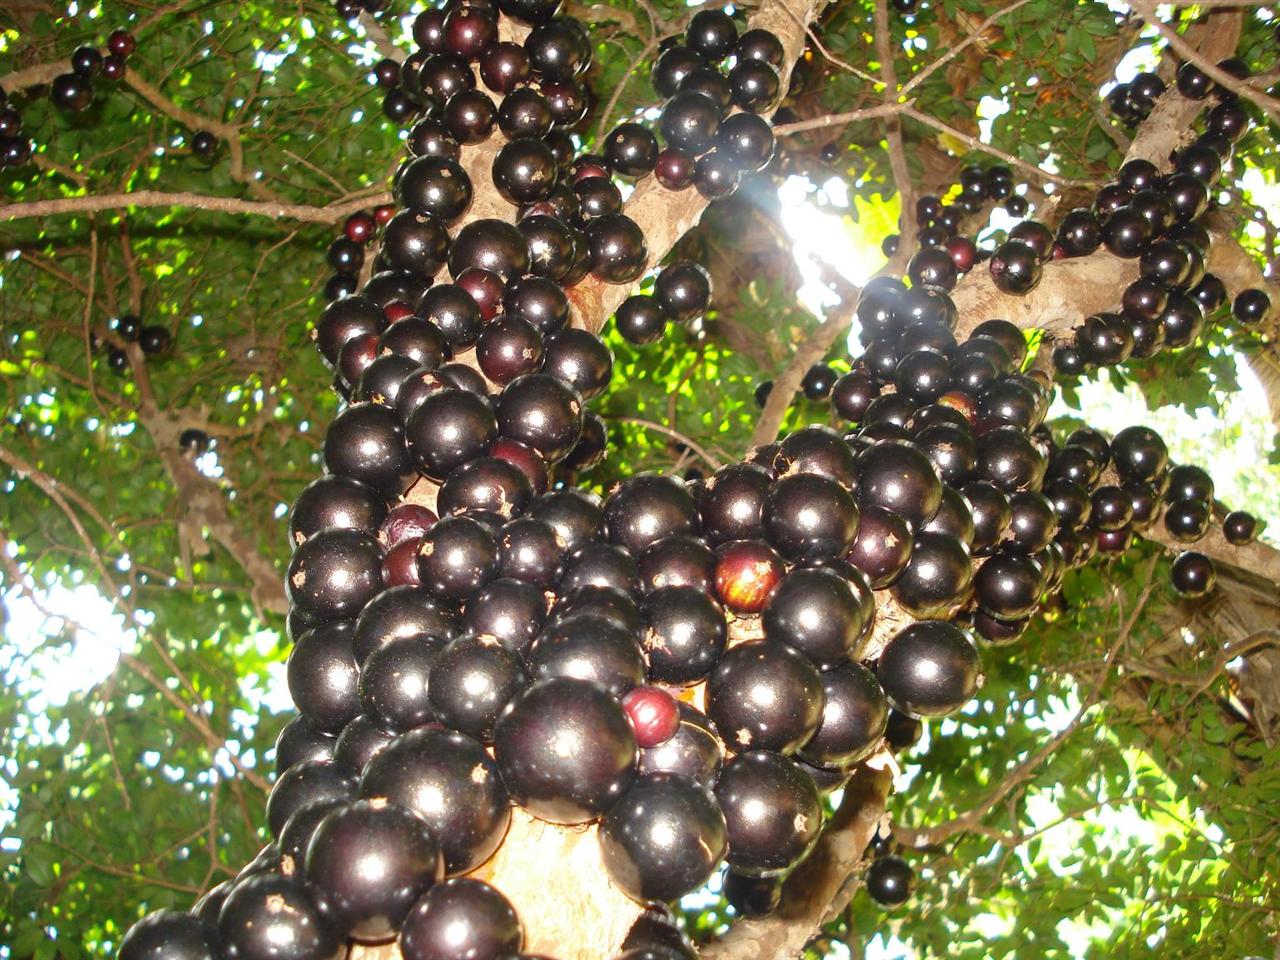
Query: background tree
[{"x": 1114, "y": 787}]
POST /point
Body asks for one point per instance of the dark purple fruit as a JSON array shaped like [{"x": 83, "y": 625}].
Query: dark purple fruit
[
  {"x": 854, "y": 715},
  {"x": 646, "y": 508},
  {"x": 368, "y": 863},
  {"x": 1139, "y": 454},
  {"x": 579, "y": 359},
  {"x": 335, "y": 573},
  {"x": 461, "y": 919},
  {"x": 1193, "y": 574},
  {"x": 304, "y": 783},
  {"x": 1007, "y": 585},
  {"x": 677, "y": 561},
  {"x": 456, "y": 558},
  {"x": 405, "y": 611},
  {"x": 274, "y": 917},
  {"x": 751, "y": 896},
  {"x": 448, "y": 429},
  {"x": 360, "y": 742},
  {"x": 1015, "y": 268},
  {"x": 322, "y": 676},
  {"x": 899, "y": 478},
  {"x": 492, "y": 245},
  {"x": 449, "y": 781},
  {"x": 820, "y": 614},
  {"x": 663, "y": 838},
  {"x": 1239, "y": 528},
  {"x": 486, "y": 485},
  {"x": 541, "y": 412},
  {"x": 689, "y": 122},
  {"x": 772, "y": 812},
  {"x": 809, "y": 517},
  {"x": 565, "y": 749},
  {"x": 589, "y": 648},
  {"x": 764, "y": 696},
  {"x": 298, "y": 741},
  {"x": 619, "y": 253},
  {"x": 732, "y": 502},
  {"x": 882, "y": 548},
  {"x": 930, "y": 669},
  {"x": 395, "y": 680},
  {"x": 684, "y": 636},
  {"x": 365, "y": 442},
  {"x": 170, "y": 935},
  {"x": 890, "y": 881},
  {"x": 938, "y": 575},
  {"x": 335, "y": 502},
  {"x": 511, "y": 611},
  {"x": 1187, "y": 520},
  {"x": 435, "y": 185}
]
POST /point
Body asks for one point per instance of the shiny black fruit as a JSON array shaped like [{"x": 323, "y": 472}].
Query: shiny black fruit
[
  {"x": 930, "y": 669},
  {"x": 772, "y": 812},
  {"x": 764, "y": 696},
  {"x": 565, "y": 749},
  {"x": 368, "y": 862},
  {"x": 450, "y": 781},
  {"x": 272, "y": 917},
  {"x": 855, "y": 714},
  {"x": 663, "y": 838},
  {"x": 890, "y": 881},
  {"x": 821, "y": 614},
  {"x": 461, "y": 919}
]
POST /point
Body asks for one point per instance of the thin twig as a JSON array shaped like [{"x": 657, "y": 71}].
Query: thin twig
[{"x": 676, "y": 435}]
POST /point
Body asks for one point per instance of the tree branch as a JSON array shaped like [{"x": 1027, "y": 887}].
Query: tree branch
[
  {"x": 1171, "y": 123},
  {"x": 1267, "y": 104},
  {"x": 143, "y": 199},
  {"x": 665, "y": 216},
  {"x": 199, "y": 498}
]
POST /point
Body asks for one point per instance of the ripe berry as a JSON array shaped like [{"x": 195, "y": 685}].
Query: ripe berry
[
  {"x": 565, "y": 749},
  {"x": 1252, "y": 306},
  {"x": 1015, "y": 268},
  {"x": 460, "y": 918},
  {"x": 890, "y": 881},
  {"x": 273, "y": 917},
  {"x": 766, "y": 696},
  {"x": 772, "y": 812},
  {"x": 71, "y": 92},
  {"x": 450, "y": 781},
  {"x": 854, "y": 716},
  {"x": 456, "y": 558},
  {"x": 1193, "y": 574},
  {"x": 585, "y": 647},
  {"x": 684, "y": 634},
  {"x": 810, "y": 517},
  {"x": 368, "y": 863},
  {"x": 641, "y": 320},
  {"x": 929, "y": 669},
  {"x": 689, "y": 122},
  {"x": 305, "y": 783},
  {"x": 663, "y": 838},
  {"x": 1239, "y": 528},
  {"x": 818, "y": 381},
  {"x": 170, "y": 935},
  {"x": 820, "y": 614}
]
